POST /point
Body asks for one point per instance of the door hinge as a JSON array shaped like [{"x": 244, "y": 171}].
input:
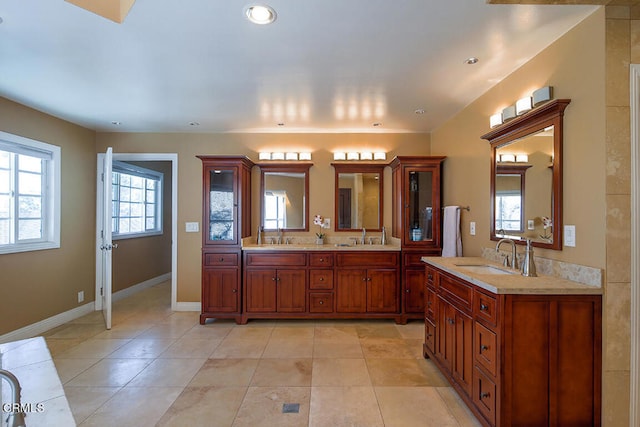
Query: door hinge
[
  {"x": 101, "y": 292},
  {"x": 102, "y": 177}
]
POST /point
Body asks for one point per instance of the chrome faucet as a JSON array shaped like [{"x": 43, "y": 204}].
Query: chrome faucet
[
  {"x": 279, "y": 237},
  {"x": 364, "y": 236},
  {"x": 514, "y": 258},
  {"x": 16, "y": 416},
  {"x": 528, "y": 265}
]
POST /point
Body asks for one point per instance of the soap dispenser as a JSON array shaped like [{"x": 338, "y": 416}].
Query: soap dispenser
[
  {"x": 383, "y": 238},
  {"x": 528, "y": 265}
]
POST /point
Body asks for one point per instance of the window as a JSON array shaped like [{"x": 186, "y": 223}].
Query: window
[
  {"x": 29, "y": 194},
  {"x": 137, "y": 201},
  {"x": 508, "y": 212},
  {"x": 275, "y": 213}
]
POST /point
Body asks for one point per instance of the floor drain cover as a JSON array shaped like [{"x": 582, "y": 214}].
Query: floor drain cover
[{"x": 290, "y": 408}]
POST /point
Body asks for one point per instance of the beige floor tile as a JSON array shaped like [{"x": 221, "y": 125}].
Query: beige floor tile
[
  {"x": 386, "y": 348},
  {"x": 413, "y": 407},
  {"x": 110, "y": 373},
  {"x": 134, "y": 406},
  {"x": 282, "y": 372},
  {"x": 337, "y": 349},
  {"x": 166, "y": 330},
  {"x": 292, "y": 332},
  {"x": 93, "y": 348},
  {"x": 250, "y": 333},
  {"x": 93, "y": 317},
  {"x": 289, "y": 348},
  {"x": 225, "y": 373},
  {"x": 344, "y": 406},
  {"x": 168, "y": 373},
  {"x": 76, "y": 330},
  {"x": 84, "y": 401},
  {"x": 412, "y": 330},
  {"x": 214, "y": 332},
  {"x": 378, "y": 330},
  {"x": 457, "y": 407},
  {"x": 191, "y": 348},
  {"x": 70, "y": 368},
  {"x": 415, "y": 346},
  {"x": 403, "y": 372},
  {"x": 336, "y": 332},
  {"x": 57, "y": 346},
  {"x": 340, "y": 372},
  {"x": 262, "y": 406},
  {"x": 142, "y": 349},
  {"x": 48, "y": 382},
  {"x": 239, "y": 348},
  {"x": 204, "y": 407},
  {"x": 124, "y": 330}
]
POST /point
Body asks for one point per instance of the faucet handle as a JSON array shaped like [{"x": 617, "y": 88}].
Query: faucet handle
[{"x": 505, "y": 260}]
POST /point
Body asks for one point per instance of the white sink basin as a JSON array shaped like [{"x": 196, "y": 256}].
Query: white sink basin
[{"x": 483, "y": 269}]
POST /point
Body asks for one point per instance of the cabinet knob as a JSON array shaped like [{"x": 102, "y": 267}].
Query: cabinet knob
[
  {"x": 364, "y": 279},
  {"x": 368, "y": 279},
  {"x": 221, "y": 259},
  {"x": 321, "y": 259},
  {"x": 322, "y": 279},
  {"x": 428, "y": 303},
  {"x": 273, "y": 279},
  {"x": 484, "y": 395},
  {"x": 429, "y": 335},
  {"x": 430, "y": 276},
  {"x": 484, "y": 307},
  {"x": 407, "y": 290},
  {"x": 483, "y": 348},
  {"x": 234, "y": 291},
  {"x": 321, "y": 302}
]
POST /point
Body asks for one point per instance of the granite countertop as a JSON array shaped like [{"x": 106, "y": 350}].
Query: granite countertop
[
  {"x": 507, "y": 281},
  {"x": 42, "y": 393},
  {"x": 314, "y": 247}
]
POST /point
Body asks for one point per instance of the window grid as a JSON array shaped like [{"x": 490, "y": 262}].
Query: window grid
[{"x": 136, "y": 205}]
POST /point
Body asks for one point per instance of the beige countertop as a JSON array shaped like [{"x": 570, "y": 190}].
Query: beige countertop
[
  {"x": 507, "y": 281},
  {"x": 314, "y": 247}
]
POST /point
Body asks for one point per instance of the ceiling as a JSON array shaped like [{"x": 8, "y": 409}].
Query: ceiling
[{"x": 323, "y": 66}]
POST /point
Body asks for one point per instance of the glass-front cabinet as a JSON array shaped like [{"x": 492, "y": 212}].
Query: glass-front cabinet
[
  {"x": 417, "y": 222},
  {"x": 226, "y": 219}
]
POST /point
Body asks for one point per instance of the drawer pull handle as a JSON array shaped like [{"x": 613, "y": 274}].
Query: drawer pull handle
[
  {"x": 430, "y": 276},
  {"x": 484, "y": 395},
  {"x": 483, "y": 348},
  {"x": 484, "y": 307},
  {"x": 451, "y": 321}
]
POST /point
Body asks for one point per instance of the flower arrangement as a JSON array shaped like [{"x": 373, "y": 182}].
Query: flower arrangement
[
  {"x": 546, "y": 223},
  {"x": 319, "y": 221}
]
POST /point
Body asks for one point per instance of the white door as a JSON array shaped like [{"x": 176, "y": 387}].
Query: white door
[{"x": 106, "y": 245}]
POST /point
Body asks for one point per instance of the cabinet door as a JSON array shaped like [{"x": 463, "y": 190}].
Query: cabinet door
[
  {"x": 290, "y": 291},
  {"x": 382, "y": 292},
  {"x": 463, "y": 350},
  {"x": 221, "y": 201},
  {"x": 351, "y": 291},
  {"x": 220, "y": 290},
  {"x": 414, "y": 285},
  {"x": 261, "y": 291},
  {"x": 446, "y": 334},
  {"x": 431, "y": 304},
  {"x": 419, "y": 197}
]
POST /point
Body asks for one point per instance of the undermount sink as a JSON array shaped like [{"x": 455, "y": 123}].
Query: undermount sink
[{"x": 483, "y": 269}]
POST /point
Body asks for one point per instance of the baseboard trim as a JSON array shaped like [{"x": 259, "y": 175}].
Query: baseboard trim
[
  {"x": 188, "y": 306},
  {"x": 42, "y": 326}
]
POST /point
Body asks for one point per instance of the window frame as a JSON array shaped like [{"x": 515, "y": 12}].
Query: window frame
[
  {"x": 123, "y": 167},
  {"x": 51, "y": 190}
]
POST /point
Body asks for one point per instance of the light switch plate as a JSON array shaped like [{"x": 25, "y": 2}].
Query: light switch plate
[
  {"x": 570, "y": 235},
  {"x": 472, "y": 228},
  {"x": 327, "y": 223},
  {"x": 191, "y": 227},
  {"x": 530, "y": 225}
]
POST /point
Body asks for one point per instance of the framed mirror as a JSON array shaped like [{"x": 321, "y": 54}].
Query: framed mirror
[
  {"x": 526, "y": 178},
  {"x": 358, "y": 196},
  {"x": 284, "y": 190}
]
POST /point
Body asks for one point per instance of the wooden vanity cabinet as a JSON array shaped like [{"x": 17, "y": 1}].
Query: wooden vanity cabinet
[
  {"x": 417, "y": 222},
  {"x": 226, "y": 219},
  {"x": 517, "y": 359}
]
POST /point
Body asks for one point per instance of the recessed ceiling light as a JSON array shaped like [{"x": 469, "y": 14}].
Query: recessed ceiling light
[
  {"x": 280, "y": 124},
  {"x": 116, "y": 123},
  {"x": 472, "y": 60},
  {"x": 194, "y": 124},
  {"x": 420, "y": 111},
  {"x": 261, "y": 14},
  {"x": 376, "y": 124}
]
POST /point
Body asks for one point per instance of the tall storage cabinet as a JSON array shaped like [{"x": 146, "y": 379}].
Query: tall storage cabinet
[
  {"x": 226, "y": 219},
  {"x": 417, "y": 222}
]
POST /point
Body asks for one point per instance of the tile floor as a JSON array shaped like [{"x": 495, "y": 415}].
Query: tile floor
[{"x": 158, "y": 367}]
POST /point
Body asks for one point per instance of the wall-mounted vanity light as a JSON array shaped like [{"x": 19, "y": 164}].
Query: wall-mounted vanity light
[
  {"x": 513, "y": 158},
  {"x": 290, "y": 155},
  {"x": 523, "y": 105},
  {"x": 364, "y": 155}
]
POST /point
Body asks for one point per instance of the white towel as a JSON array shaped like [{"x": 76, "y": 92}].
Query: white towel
[{"x": 451, "y": 238}]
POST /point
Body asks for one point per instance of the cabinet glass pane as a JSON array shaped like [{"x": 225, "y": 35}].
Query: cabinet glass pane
[
  {"x": 420, "y": 206},
  {"x": 221, "y": 205}
]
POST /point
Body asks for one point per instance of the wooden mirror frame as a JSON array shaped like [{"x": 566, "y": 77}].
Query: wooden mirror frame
[
  {"x": 359, "y": 168},
  {"x": 549, "y": 114},
  {"x": 302, "y": 168}
]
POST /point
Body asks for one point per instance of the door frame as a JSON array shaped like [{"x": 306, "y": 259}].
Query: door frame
[
  {"x": 142, "y": 157},
  {"x": 634, "y": 380}
]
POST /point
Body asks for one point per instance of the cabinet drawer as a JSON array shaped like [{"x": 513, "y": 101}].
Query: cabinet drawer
[
  {"x": 457, "y": 293},
  {"x": 485, "y": 348},
  {"x": 484, "y": 395},
  {"x": 368, "y": 259},
  {"x": 321, "y": 260},
  {"x": 485, "y": 308},
  {"x": 430, "y": 335},
  {"x": 220, "y": 259},
  {"x": 413, "y": 260},
  {"x": 275, "y": 260},
  {"x": 321, "y": 302},
  {"x": 320, "y": 279},
  {"x": 430, "y": 304}
]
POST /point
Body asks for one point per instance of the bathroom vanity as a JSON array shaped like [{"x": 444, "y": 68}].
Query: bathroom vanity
[{"x": 519, "y": 350}]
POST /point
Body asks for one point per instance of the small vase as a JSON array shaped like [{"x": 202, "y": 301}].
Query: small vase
[{"x": 320, "y": 241}]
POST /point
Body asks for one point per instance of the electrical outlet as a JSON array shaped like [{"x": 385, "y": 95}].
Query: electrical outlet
[
  {"x": 530, "y": 225},
  {"x": 81, "y": 296},
  {"x": 327, "y": 223},
  {"x": 472, "y": 228},
  {"x": 191, "y": 227}
]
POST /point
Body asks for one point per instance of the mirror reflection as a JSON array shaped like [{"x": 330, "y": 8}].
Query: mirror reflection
[
  {"x": 523, "y": 187},
  {"x": 284, "y": 198},
  {"x": 358, "y": 196}
]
